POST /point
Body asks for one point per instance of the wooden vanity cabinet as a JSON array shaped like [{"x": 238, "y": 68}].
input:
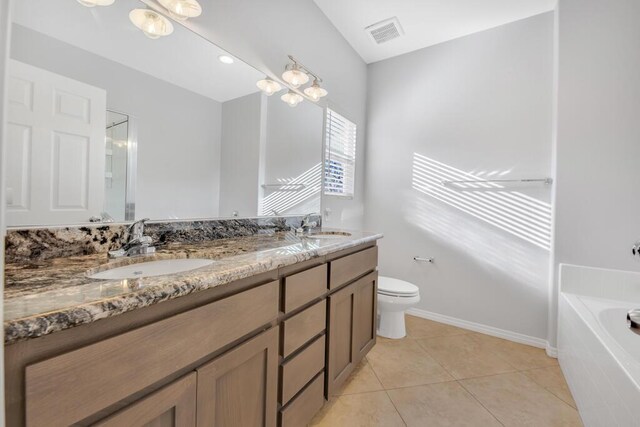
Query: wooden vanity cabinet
[{"x": 262, "y": 351}]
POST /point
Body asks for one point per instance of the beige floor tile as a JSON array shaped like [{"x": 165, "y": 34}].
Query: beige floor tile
[
  {"x": 444, "y": 404},
  {"x": 552, "y": 379},
  {"x": 423, "y": 328},
  {"x": 404, "y": 363},
  {"x": 363, "y": 379},
  {"x": 359, "y": 410},
  {"x": 465, "y": 357},
  {"x": 519, "y": 356},
  {"x": 383, "y": 339},
  {"x": 517, "y": 400}
]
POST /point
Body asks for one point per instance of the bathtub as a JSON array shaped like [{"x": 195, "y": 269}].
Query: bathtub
[{"x": 598, "y": 354}]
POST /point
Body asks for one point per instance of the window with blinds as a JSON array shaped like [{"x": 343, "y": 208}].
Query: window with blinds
[{"x": 340, "y": 156}]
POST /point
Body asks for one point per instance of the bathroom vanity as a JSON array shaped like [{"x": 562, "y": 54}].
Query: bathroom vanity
[{"x": 259, "y": 338}]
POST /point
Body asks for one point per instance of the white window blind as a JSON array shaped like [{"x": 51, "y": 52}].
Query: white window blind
[{"x": 340, "y": 156}]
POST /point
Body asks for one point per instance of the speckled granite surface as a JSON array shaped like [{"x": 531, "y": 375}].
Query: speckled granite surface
[
  {"x": 47, "y": 295},
  {"x": 28, "y": 244}
]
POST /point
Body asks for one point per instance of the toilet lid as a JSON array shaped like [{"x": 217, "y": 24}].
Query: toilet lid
[{"x": 391, "y": 286}]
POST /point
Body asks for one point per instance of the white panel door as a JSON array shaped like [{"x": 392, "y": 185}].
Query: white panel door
[{"x": 55, "y": 148}]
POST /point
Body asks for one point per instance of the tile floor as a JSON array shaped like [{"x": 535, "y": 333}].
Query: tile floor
[{"x": 440, "y": 375}]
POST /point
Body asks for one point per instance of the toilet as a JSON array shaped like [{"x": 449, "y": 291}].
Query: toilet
[{"x": 394, "y": 297}]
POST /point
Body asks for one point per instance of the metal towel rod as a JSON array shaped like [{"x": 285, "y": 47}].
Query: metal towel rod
[
  {"x": 546, "y": 181},
  {"x": 284, "y": 187},
  {"x": 423, "y": 259}
]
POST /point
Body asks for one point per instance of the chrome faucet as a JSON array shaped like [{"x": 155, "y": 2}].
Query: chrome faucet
[
  {"x": 633, "y": 320},
  {"x": 306, "y": 225},
  {"x": 137, "y": 243}
]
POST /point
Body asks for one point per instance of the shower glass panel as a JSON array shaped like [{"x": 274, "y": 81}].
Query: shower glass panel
[{"x": 119, "y": 146}]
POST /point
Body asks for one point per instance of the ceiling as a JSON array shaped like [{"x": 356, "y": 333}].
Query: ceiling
[
  {"x": 425, "y": 22},
  {"x": 182, "y": 58}
]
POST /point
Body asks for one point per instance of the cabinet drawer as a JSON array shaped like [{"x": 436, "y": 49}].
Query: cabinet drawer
[
  {"x": 344, "y": 270},
  {"x": 304, "y": 287},
  {"x": 301, "y": 369},
  {"x": 78, "y": 384},
  {"x": 305, "y": 325},
  {"x": 302, "y": 409}
]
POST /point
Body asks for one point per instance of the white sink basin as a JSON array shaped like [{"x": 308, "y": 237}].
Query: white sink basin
[
  {"x": 329, "y": 235},
  {"x": 151, "y": 269}
]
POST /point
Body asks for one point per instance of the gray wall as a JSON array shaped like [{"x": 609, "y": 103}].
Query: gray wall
[
  {"x": 479, "y": 106},
  {"x": 243, "y": 134},
  {"x": 293, "y": 150},
  {"x": 598, "y": 141},
  {"x": 178, "y": 130},
  {"x": 263, "y": 33}
]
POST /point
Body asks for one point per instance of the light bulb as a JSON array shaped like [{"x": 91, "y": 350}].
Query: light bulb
[
  {"x": 268, "y": 86},
  {"x": 182, "y": 9},
  {"x": 291, "y": 98},
  {"x": 315, "y": 92},
  {"x": 92, "y": 3},
  {"x": 152, "y": 24},
  {"x": 225, "y": 59},
  {"x": 295, "y": 77}
]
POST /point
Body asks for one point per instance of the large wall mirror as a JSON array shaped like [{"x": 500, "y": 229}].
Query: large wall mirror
[{"x": 106, "y": 124}]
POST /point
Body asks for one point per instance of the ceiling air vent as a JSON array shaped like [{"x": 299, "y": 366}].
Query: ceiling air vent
[{"x": 383, "y": 31}]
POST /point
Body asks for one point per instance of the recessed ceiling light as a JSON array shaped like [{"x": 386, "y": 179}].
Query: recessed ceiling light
[{"x": 225, "y": 59}]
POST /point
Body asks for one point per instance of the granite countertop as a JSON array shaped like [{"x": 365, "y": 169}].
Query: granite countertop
[{"x": 42, "y": 297}]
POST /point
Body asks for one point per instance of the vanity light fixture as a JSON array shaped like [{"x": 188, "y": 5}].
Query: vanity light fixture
[
  {"x": 294, "y": 76},
  {"x": 93, "y": 3},
  {"x": 268, "y": 86},
  {"x": 292, "y": 98},
  {"x": 152, "y": 24},
  {"x": 225, "y": 59},
  {"x": 182, "y": 9},
  {"x": 315, "y": 92}
]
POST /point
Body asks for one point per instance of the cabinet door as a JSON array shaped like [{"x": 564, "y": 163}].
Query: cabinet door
[
  {"x": 341, "y": 358},
  {"x": 365, "y": 314},
  {"x": 171, "y": 406},
  {"x": 351, "y": 329},
  {"x": 240, "y": 387}
]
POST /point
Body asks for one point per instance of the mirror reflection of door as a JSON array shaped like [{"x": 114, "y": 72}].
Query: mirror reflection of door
[{"x": 55, "y": 150}]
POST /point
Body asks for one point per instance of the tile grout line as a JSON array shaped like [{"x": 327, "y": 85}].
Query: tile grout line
[
  {"x": 458, "y": 382},
  {"x": 480, "y": 403},
  {"x": 458, "y": 379},
  {"x": 396, "y": 408},
  {"x": 385, "y": 390},
  {"x": 439, "y": 382},
  {"x": 547, "y": 388}
]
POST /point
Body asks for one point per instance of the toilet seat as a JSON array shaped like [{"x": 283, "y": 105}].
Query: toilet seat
[{"x": 397, "y": 288}]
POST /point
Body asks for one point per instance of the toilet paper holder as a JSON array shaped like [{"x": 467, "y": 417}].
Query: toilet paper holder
[{"x": 423, "y": 259}]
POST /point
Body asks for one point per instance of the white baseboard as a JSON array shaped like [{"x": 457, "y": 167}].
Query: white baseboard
[{"x": 484, "y": 329}]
